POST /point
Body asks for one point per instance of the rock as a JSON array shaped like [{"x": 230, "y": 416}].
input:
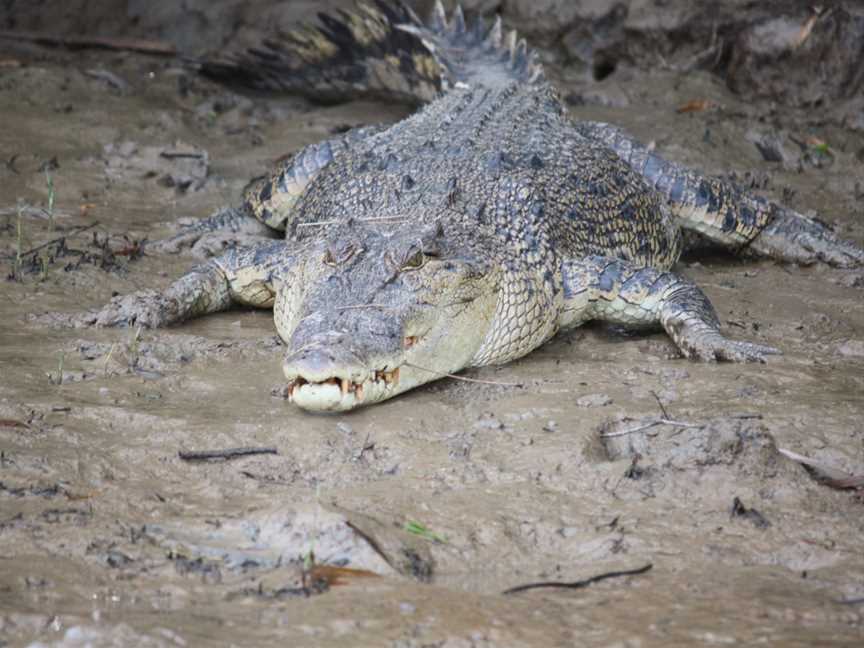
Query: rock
[
  {"x": 181, "y": 167},
  {"x": 784, "y": 57},
  {"x": 546, "y": 15},
  {"x": 852, "y": 349},
  {"x": 852, "y": 280},
  {"x": 593, "y": 400},
  {"x": 773, "y": 146}
]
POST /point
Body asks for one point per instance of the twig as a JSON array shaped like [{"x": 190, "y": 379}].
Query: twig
[
  {"x": 581, "y": 583},
  {"x": 224, "y": 455},
  {"x": 660, "y": 404},
  {"x": 464, "y": 378},
  {"x": 101, "y": 42},
  {"x": 664, "y": 421},
  {"x": 649, "y": 424},
  {"x": 379, "y": 219},
  {"x": 361, "y": 306},
  {"x": 171, "y": 155},
  {"x": 855, "y": 601},
  {"x": 75, "y": 230}
]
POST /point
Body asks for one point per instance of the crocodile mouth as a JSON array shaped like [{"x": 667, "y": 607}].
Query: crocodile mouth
[{"x": 338, "y": 394}]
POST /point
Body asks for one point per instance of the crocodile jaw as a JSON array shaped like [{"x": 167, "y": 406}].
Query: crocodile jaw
[{"x": 339, "y": 394}]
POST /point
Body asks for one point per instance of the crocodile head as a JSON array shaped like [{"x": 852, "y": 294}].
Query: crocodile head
[{"x": 368, "y": 314}]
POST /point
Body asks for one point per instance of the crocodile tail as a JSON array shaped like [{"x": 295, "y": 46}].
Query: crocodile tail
[{"x": 383, "y": 51}]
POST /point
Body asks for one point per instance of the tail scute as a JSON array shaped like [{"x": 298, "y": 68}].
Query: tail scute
[{"x": 382, "y": 50}]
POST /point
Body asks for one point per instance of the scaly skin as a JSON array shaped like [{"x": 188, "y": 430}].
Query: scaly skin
[{"x": 469, "y": 233}]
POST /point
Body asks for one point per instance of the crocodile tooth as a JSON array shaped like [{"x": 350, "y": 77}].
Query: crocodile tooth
[
  {"x": 438, "y": 20},
  {"x": 493, "y": 38},
  {"x": 344, "y": 386},
  {"x": 358, "y": 393}
]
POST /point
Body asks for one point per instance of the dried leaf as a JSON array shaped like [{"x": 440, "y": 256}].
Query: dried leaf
[
  {"x": 84, "y": 208},
  {"x": 337, "y": 575},
  {"x": 828, "y": 475},
  {"x": 696, "y": 105},
  {"x": 817, "y": 144},
  {"x": 806, "y": 28}
]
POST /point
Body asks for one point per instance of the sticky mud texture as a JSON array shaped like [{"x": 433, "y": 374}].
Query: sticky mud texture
[{"x": 449, "y": 494}]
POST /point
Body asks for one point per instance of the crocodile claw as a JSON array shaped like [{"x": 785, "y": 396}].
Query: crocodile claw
[
  {"x": 709, "y": 345},
  {"x": 797, "y": 239}
]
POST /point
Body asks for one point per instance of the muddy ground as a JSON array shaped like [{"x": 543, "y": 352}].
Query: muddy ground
[{"x": 437, "y": 501}]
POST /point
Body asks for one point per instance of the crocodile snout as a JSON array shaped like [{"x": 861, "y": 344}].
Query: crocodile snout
[{"x": 326, "y": 374}]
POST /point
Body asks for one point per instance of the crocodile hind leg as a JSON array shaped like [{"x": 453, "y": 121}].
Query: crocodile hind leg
[
  {"x": 240, "y": 276},
  {"x": 725, "y": 214},
  {"x": 268, "y": 201},
  {"x": 612, "y": 290},
  {"x": 207, "y": 237}
]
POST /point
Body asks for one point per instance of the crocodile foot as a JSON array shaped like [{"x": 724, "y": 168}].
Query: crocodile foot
[
  {"x": 147, "y": 308},
  {"x": 698, "y": 341},
  {"x": 211, "y": 236},
  {"x": 797, "y": 239}
]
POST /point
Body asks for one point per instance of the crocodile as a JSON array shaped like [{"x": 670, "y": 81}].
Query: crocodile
[{"x": 470, "y": 232}]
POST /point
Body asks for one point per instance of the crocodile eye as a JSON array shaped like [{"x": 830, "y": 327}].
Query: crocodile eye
[
  {"x": 414, "y": 260},
  {"x": 339, "y": 257}
]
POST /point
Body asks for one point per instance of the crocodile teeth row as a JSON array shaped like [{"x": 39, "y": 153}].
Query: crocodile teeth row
[
  {"x": 389, "y": 377},
  {"x": 346, "y": 386}
]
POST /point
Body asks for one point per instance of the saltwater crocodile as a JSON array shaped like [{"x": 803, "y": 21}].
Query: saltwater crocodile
[{"x": 469, "y": 233}]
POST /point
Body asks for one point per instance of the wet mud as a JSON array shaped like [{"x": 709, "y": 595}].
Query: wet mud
[{"x": 402, "y": 524}]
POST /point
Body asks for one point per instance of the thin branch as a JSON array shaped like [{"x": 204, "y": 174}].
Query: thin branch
[
  {"x": 579, "y": 584},
  {"x": 223, "y": 455},
  {"x": 464, "y": 378},
  {"x": 380, "y": 219},
  {"x": 361, "y": 306},
  {"x": 78, "y": 229},
  {"x": 100, "y": 42},
  {"x": 650, "y": 424}
]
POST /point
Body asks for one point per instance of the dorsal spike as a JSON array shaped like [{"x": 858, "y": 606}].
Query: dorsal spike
[
  {"x": 457, "y": 20},
  {"x": 412, "y": 17},
  {"x": 493, "y": 36},
  {"x": 510, "y": 42},
  {"x": 478, "y": 28},
  {"x": 520, "y": 54},
  {"x": 438, "y": 19}
]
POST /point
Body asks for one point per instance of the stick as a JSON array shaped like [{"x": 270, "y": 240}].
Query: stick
[
  {"x": 464, "y": 378},
  {"x": 229, "y": 453},
  {"x": 75, "y": 230},
  {"x": 581, "y": 583},
  {"x": 682, "y": 424},
  {"x": 652, "y": 423},
  {"x": 101, "y": 42}
]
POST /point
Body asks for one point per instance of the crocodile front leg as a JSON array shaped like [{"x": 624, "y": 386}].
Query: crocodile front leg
[
  {"x": 244, "y": 276},
  {"x": 724, "y": 213},
  {"x": 615, "y": 291}
]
